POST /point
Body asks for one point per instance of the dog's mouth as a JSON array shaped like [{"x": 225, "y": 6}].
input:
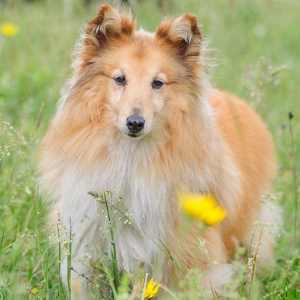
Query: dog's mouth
[{"x": 134, "y": 135}]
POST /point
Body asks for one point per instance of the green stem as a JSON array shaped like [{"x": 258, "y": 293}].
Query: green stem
[
  {"x": 59, "y": 252},
  {"x": 69, "y": 261},
  {"x": 294, "y": 171},
  {"x": 113, "y": 244}
]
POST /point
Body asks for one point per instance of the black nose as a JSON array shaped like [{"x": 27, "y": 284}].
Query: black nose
[{"x": 135, "y": 123}]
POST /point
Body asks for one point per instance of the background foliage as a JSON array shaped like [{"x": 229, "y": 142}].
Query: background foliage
[{"x": 256, "y": 44}]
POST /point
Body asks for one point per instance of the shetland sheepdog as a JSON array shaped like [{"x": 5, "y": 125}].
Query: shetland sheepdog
[{"x": 139, "y": 118}]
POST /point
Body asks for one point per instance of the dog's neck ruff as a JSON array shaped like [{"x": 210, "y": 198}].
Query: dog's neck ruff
[
  {"x": 127, "y": 173},
  {"x": 146, "y": 188}
]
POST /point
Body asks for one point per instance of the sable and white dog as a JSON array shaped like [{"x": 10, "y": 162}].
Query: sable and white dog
[{"x": 140, "y": 119}]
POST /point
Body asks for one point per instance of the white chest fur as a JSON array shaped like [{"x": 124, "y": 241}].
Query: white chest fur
[
  {"x": 129, "y": 172},
  {"x": 144, "y": 200}
]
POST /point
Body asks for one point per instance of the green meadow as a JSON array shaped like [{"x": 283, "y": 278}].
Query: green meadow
[{"x": 255, "y": 53}]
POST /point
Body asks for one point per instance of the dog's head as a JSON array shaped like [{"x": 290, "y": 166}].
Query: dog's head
[{"x": 135, "y": 83}]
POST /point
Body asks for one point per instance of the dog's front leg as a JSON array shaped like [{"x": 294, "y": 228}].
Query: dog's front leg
[
  {"x": 76, "y": 270},
  {"x": 81, "y": 235},
  {"x": 76, "y": 278}
]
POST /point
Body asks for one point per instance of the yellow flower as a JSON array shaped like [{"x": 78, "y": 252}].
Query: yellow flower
[
  {"x": 151, "y": 289},
  {"x": 216, "y": 216},
  {"x": 202, "y": 207},
  {"x": 34, "y": 291},
  {"x": 8, "y": 29}
]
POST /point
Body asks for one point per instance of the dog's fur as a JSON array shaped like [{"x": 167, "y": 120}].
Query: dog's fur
[{"x": 196, "y": 139}]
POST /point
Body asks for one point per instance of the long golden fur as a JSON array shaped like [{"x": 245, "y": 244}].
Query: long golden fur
[{"x": 195, "y": 138}]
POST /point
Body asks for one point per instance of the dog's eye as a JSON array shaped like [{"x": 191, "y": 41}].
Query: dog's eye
[
  {"x": 120, "y": 80},
  {"x": 157, "y": 84}
]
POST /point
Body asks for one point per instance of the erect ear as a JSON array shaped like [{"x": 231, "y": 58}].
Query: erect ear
[
  {"x": 108, "y": 25},
  {"x": 183, "y": 35}
]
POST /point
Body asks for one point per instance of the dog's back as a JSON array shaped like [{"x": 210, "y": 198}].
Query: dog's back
[{"x": 252, "y": 149}]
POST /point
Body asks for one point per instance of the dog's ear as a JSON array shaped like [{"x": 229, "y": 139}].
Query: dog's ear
[
  {"x": 183, "y": 35},
  {"x": 107, "y": 26}
]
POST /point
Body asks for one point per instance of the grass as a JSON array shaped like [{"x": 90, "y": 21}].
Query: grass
[{"x": 256, "y": 45}]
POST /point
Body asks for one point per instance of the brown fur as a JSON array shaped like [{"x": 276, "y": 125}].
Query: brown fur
[{"x": 181, "y": 135}]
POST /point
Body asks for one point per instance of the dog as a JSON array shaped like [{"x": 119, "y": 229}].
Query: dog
[{"x": 140, "y": 118}]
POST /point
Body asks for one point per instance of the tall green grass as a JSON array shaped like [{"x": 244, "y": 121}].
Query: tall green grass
[{"x": 256, "y": 45}]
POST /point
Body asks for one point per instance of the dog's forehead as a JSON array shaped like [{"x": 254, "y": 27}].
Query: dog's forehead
[
  {"x": 142, "y": 52},
  {"x": 144, "y": 44}
]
